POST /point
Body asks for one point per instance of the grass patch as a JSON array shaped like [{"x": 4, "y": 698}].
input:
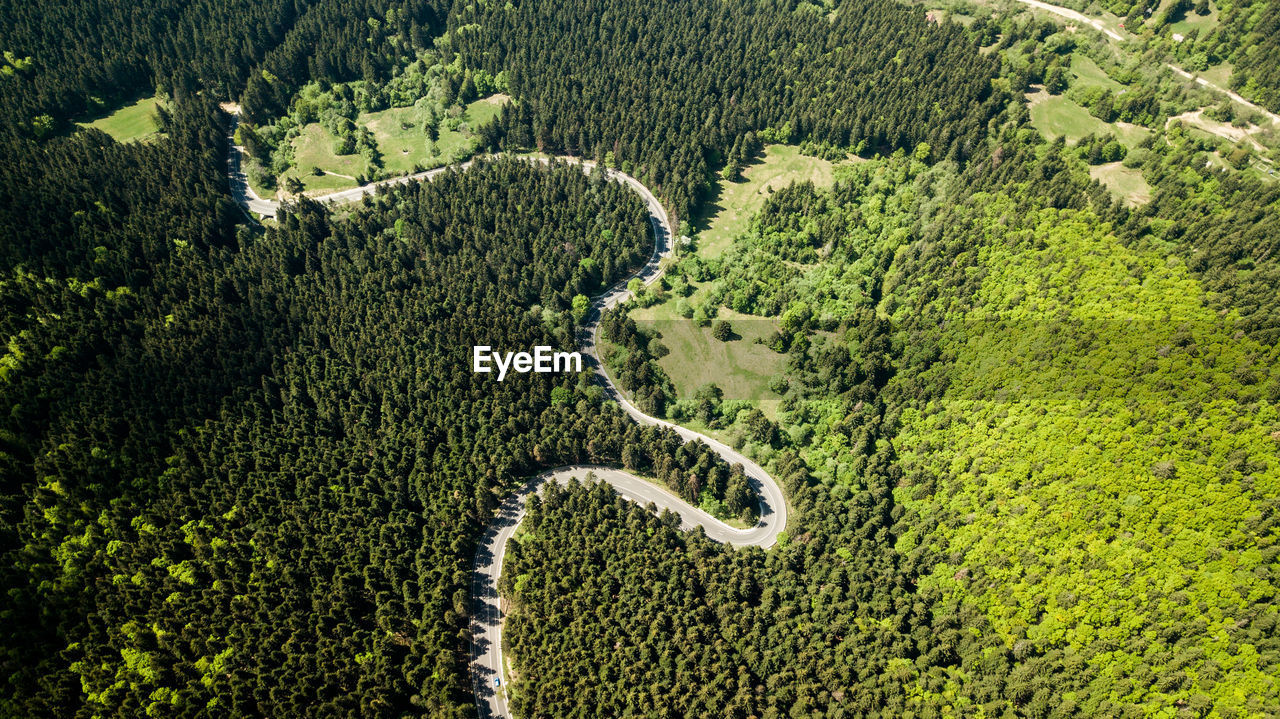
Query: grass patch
[
  {"x": 740, "y": 367},
  {"x": 1188, "y": 20},
  {"x": 314, "y": 148},
  {"x": 1219, "y": 75},
  {"x": 324, "y": 184},
  {"x": 1124, "y": 182},
  {"x": 130, "y": 123},
  {"x": 1056, "y": 116},
  {"x": 728, "y": 214},
  {"x": 1087, "y": 73},
  {"x": 401, "y": 139}
]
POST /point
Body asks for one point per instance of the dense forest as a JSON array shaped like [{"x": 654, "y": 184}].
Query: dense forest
[
  {"x": 199, "y": 457},
  {"x": 1081, "y": 401},
  {"x": 1029, "y": 433},
  {"x": 671, "y": 91},
  {"x": 64, "y": 60}
]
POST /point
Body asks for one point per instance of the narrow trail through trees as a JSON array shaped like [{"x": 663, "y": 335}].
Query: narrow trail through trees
[{"x": 487, "y": 615}]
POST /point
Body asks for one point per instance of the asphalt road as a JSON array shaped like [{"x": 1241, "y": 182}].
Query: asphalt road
[
  {"x": 240, "y": 188},
  {"x": 487, "y": 615}
]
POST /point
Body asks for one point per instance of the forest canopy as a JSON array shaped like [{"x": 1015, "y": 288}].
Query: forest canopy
[{"x": 1027, "y": 432}]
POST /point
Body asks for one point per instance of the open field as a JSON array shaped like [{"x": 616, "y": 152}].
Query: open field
[
  {"x": 403, "y": 142},
  {"x": 1057, "y": 116},
  {"x": 740, "y": 367},
  {"x": 129, "y": 123},
  {"x": 736, "y": 202},
  {"x": 314, "y": 148},
  {"x": 1219, "y": 74},
  {"x": 1191, "y": 21},
  {"x": 1124, "y": 182},
  {"x": 401, "y": 139},
  {"x": 1086, "y": 73}
]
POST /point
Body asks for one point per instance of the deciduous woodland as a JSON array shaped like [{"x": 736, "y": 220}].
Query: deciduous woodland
[{"x": 1029, "y": 433}]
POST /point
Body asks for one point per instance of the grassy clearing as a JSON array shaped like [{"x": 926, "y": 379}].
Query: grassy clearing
[
  {"x": 314, "y": 148},
  {"x": 131, "y": 122},
  {"x": 941, "y": 15},
  {"x": 1087, "y": 73},
  {"x": 1191, "y": 21},
  {"x": 324, "y": 184},
  {"x": 401, "y": 139},
  {"x": 735, "y": 203},
  {"x": 740, "y": 367},
  {"x": 1124, "y": 182},
  {"x": 1056, "y": 116},
  {"x": 1219, "y": 75}
]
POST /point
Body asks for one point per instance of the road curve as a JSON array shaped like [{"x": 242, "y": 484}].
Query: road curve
[
  {"x": 487, "y": 614},
  {"x": 240, "y": 189}
]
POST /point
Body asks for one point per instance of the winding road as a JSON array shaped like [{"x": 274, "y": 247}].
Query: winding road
[
  {"x": 487, "y": 614},
  {"x": 1097, "y": 25}
]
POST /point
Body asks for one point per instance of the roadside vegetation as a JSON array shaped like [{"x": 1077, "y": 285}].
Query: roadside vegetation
[{"x": 1082, "y": 85}]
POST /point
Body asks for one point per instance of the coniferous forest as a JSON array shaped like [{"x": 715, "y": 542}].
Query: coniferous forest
[{"x": 1029, "y": 434}]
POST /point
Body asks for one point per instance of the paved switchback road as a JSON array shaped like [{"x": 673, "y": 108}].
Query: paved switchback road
[{"x": 487, "y": 615}]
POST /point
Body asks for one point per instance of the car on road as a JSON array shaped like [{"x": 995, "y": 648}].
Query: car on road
[{"x": 497, "y": 682}]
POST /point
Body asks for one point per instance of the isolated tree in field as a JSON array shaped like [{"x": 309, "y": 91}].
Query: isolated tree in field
[{"x": 722, "y": 330}]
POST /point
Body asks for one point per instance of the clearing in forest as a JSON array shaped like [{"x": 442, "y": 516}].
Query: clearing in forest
[
  {"x": 735, "y": 203},
  {"x": 135, "y": 121},
  {"x": 1057, "y": 116},
  {"x": 1124, "y": 182},
  {"x": 401, "y": 138},
  {"x": 740, "y": 367}
]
